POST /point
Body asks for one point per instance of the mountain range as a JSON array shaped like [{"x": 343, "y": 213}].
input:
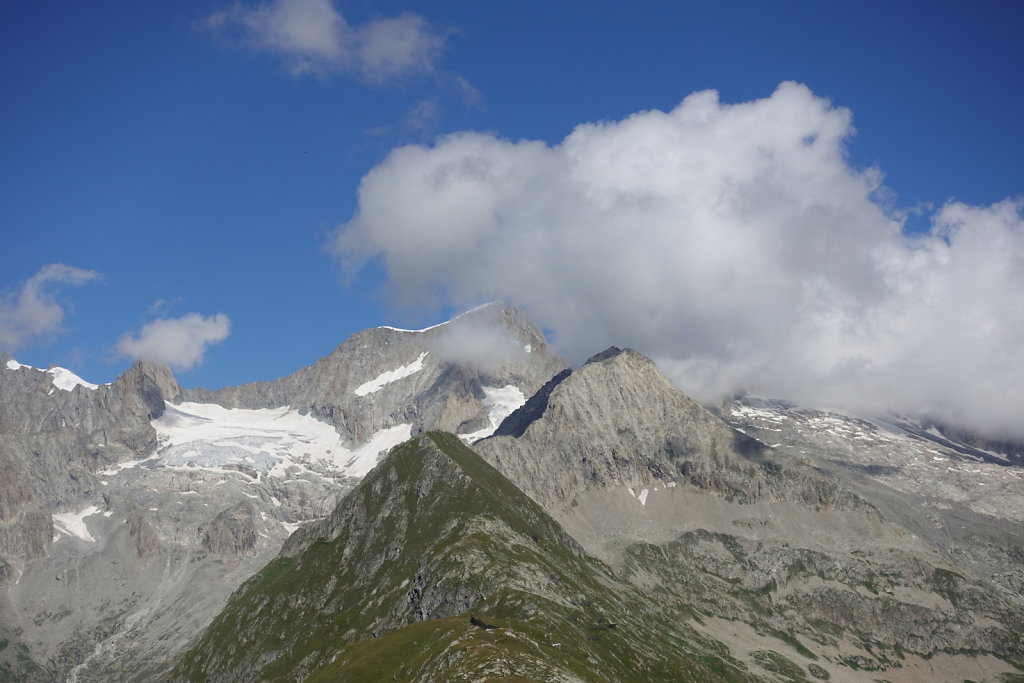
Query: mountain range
[{"x": 456, "y": 503}]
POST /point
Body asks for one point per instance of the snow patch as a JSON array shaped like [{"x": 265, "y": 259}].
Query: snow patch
[
  {"x": 426, "y": 329},
  {"x": 212, "y": 436},
  {"x": 642, "y": 497},
  {"x": 500, "y": 403},
  {"x": 358, "y": 462},
  {"x": 748, "y": 412},
  {"x": 63, "y": 378},
  {"x": 378, "y": 382},
  {"x": 67, "y": 380},
  {"x": 73, "y": 523},
  {"x": 271, "y": 441},
  {"x": 126, "y": 465}
]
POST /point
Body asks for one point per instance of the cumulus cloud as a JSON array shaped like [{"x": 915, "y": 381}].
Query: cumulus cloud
[
  {"x": 32, "y": 311},
  {"x": 178, "y": 342},
  {"x": 733, "y": 243},
  {"x": 313, "y": 37}
]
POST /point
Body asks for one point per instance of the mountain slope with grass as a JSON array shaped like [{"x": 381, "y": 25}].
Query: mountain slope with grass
[{"x": 437, "y": 567}]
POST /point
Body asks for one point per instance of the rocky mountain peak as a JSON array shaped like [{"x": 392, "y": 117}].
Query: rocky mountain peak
[
  {"x": 153, "y": 384},
  {"x": 464, "y": 376},
  {"x": 618, "y": 422},
  {"x": 610, "y": 352}
]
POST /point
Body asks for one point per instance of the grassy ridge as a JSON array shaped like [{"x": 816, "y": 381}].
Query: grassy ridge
[{"x": 433, "y": 537}]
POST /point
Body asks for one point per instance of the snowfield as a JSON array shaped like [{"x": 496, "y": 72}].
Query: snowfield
[
  {"x": 500, "y": 402},
  {"x": 73, "y": 523},
  {"x": 270, "y": 441},
  {"x": 63, "y": 378},
  {"x": 378, "y": 382}
]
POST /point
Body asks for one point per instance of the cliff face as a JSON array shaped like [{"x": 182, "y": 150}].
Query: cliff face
[{"x": 53, "y": 440}]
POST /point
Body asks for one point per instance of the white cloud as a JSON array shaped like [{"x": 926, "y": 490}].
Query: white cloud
[
  {"x": 313, "y": 37},
  {"x": 178, "y": 342},
  {"x": 32, "y": 311},
  {"x": 734, "y": 243},
  {"x": 480, "y": 341}
]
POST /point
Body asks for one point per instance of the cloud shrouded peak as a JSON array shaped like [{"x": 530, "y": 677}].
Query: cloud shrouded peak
[
  {"x": 32, "y": 311},
  {"x": 178, "y": 342},
  {"x": 313, "y": 37},
  {"x": 734, "y": 243}
]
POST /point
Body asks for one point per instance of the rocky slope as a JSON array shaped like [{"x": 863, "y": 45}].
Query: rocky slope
[
  {"x": 129, "y": 512},
  {"x": 773, "y": 551},
  {"x": 56, "y": 430},
  {"x": 449, "y": 377},
  {"x": 436, "y": 556},
  {"x": 618, "y": 423}
]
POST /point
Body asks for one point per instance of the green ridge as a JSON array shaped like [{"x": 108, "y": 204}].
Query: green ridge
[{"x": 432, "y": 538}]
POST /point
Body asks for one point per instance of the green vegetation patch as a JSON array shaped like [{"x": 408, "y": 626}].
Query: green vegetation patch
[{"x": 772, "y": 661}]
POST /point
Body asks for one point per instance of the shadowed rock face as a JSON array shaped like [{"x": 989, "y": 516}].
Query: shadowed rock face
[
  {"x": 232, "y": 533},
  {"x": 142, "y": 533}
]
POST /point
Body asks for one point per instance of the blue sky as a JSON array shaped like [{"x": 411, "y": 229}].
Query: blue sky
[{"x": 198, "y": 166}]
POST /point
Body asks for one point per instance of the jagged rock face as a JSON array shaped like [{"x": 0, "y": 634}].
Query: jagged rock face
[
  {"x": 108, "y": 423},
  {"x": 618, "y": 422},
  {"x": 53, "y": 439},
  {"x": 142, "y": 533},
  {"x": 25, "y": 525},
  {"x": 233, "y": 532}
]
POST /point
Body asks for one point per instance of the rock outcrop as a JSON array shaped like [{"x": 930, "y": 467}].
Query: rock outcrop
[{"x": 232, "y": 533}]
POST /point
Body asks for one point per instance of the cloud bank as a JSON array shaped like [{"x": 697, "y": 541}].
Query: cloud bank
[
  {"x": 733, "y": 243},
  {"x": 313, "y": 37},
  {"x": 33, "y": 312},
  {"x": 178, "y": 342}
]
